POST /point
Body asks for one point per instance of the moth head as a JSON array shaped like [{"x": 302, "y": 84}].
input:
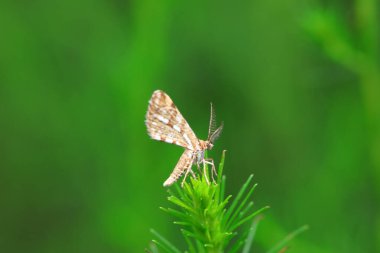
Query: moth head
[{"x": 208, "y": 145}]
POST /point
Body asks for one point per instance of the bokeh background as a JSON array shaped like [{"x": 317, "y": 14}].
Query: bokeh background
[{"x": 295, "y": 82}]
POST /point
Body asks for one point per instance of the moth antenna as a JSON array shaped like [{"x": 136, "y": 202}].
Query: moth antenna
[
  {"x": 215, "y": 135},
  {"x": 212, "y": 124}
]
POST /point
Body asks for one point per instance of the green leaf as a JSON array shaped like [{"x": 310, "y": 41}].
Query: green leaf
[
  {"x": 280, "y": 245},
  {"x": 222, "y": 188},
  {"x": 220, "y": 168},
  {"x": 241, "y": 205},
  {"x": 164, "y": 243},
  {"x": 246, "y": 209},
  {"x": 251, "y": 235},
  {"x": 242, "y": 221},
  {"x": 237, "y": 199},
  {"x": 178, "y": 202},
  {"x": 189, "y": 242},
  {"x": 175, "y": 213}
]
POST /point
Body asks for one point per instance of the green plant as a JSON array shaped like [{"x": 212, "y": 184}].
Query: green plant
[{"x": 211, "y": 224}]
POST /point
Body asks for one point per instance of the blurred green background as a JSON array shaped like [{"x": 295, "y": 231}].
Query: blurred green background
[{"x": 295, "y": 82}]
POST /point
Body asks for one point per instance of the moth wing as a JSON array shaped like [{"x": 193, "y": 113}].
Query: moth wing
[
  {"x": 165, "y": 122},
  {"x": 184, "y": 163}
]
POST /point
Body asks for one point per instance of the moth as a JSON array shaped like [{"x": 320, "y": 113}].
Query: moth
[{"x": 165, "y": 123}]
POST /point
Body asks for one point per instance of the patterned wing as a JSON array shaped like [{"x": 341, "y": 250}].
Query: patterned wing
[
  {"x": 165, "y": 123},
  {"x": 183, "y": 165}
]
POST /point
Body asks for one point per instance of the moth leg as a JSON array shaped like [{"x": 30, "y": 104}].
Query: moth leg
[
  {"x": 199, "y": 169},
  {"x": 193, "y": 174},
  {"x": 210, "y": 161},
  {"x": 187, "y": 172},
  {"x": 205, "y": 172}
]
